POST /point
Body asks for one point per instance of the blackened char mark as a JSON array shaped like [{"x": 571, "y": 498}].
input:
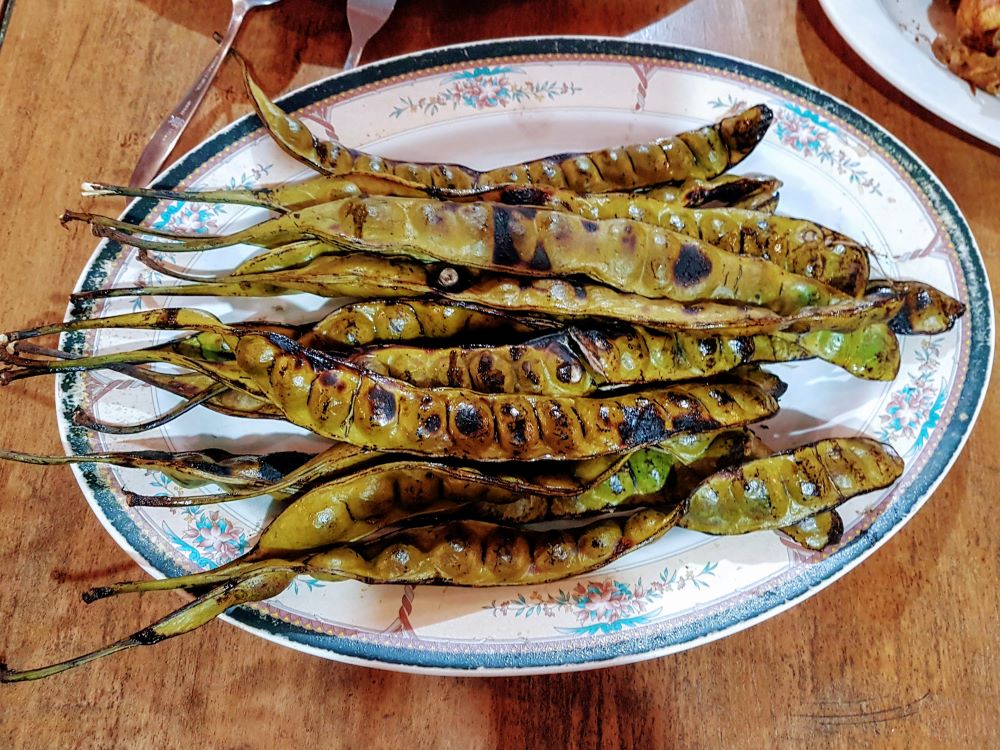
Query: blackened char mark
[
  {"x": 592, "y": 339},
  {"x": 146, "y": 636},
  {"x": 275, "y": 466},
  {"x": 468, "y": 420},
  {"x": 743, "y": 347},
  {"x": 691, "y": 415},
  {"x": 722, "y": 397},
  {"x": 317, "y": 359},
  {"x": 708, "y": 346},
  {"x": 328, "y": 378},
  {"x": 642, "y": 425},
  {"x": 429, "y": 426},
  {"x": 923, "y": 300},
  {"x": 529, "y": 373},
  {"x": 490, "y": 378},
  {"x": 747, "y": 129},
  {"x": 559, "y": 421},
  {"x": 523, "y": 195},
  {"x": 912, "y": 304},
  {"x": 518, "y": 426},
  {"x": 519, "y": 431},
  {"x": 540, "y": 260},
  {"x": 382, "y": 405},
  {"x": 358, "y": 211},
  {"x": 504, "y": 252},
  {"x": 568, "y": 372},
  {"x": 694, "y": 422},
  {"x": 729, "y": 193},
  {"x": 692, "y": 265}
]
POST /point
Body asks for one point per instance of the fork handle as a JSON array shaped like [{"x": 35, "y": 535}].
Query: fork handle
[
  {"x": 169, "y": 132},
  {"x": 354, "y": 54}
]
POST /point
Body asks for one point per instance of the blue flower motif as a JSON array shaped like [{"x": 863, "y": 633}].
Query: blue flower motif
[
  {"x": 811, "y": 116},
  {"x": 483, "y": 72}
]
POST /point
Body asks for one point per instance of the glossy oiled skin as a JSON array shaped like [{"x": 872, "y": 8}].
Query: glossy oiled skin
[
  {"x": 365, "y": 502},
  {"x": 925, "y": 310},
  {"x": 758, "y": 192},
  {"x": 378, "y": 321},
  {"x": 188, "y": 468},
  {"x": 702, "y": 153},
  {"x": 576, "y": 362},
  {"x": 780, "y": 490},
  {"x": 475, "y": 553},
  {"x": 799, "y": 246},
  {"x": 334, "y": 399},
  {"x": 633, "y": 256}
]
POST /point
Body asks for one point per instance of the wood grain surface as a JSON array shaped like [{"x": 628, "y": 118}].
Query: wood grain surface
[{"x": 902, "y": 652}]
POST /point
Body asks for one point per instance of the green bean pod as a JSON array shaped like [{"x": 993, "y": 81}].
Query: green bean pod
[
  {"x": 476, "y": 553},
  {"x": 925, "y": 310},
  {"x": 555, "y": 298},
  {"x": 575, "y": 300},
  {"x": 335, "y": 399},
  {"x": 575, "y": 362},
  {"x": 187, "y": 468},
  {"x": 461, "y": 553},
  {"x": 628, "y": 255},
  {"x": 796, "y": 245},
  {"x": 756, "y": 192},
  {"x": 781, "y": 490},
  {"x": 703, "y": 153},
  {"x": 384, "y": 321},
  {"x": 367, "y": 502},
  {"x": 358, "y": 505}
]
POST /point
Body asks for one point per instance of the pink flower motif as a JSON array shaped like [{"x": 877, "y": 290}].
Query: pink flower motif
[
  {"x": 492, "y": 92},
  {"x": 215, "y": 535},
  {"x": 603, "y": 601},
  {"x": 909, "y": 408}
]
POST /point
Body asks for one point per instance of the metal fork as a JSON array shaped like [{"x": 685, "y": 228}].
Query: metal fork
[
  {"x": 167, "y": 135},
  {"x": 365, "y": 17}
]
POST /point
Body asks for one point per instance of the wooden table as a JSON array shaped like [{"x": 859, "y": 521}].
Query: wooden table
[{"x": 902, "y": 652}]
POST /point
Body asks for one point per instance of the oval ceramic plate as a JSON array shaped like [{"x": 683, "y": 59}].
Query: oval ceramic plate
[
  {"x": 894, "y": 37},
  {"x": 498, "y": 102}
]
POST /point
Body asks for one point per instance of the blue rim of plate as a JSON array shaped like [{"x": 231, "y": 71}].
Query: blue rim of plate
[{"x": 675, "y": 638}]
